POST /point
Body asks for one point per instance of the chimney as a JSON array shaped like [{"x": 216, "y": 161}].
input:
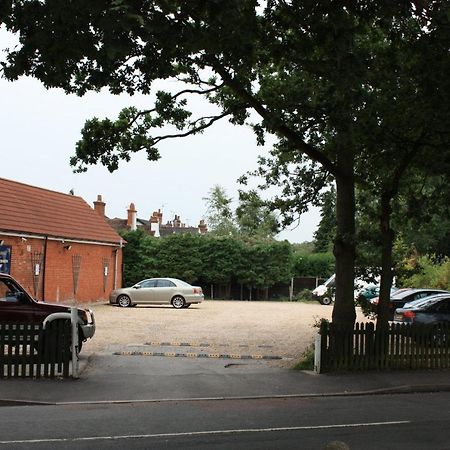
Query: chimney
[
  {"x": 154, "y": 223},
  {"x": 131, "y": 221},
  {"x": 99, "y": 206},
  {"x": 203, "y": 228},
  {"x": 177, "y": 222}
]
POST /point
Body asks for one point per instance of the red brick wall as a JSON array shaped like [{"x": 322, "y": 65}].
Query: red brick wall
[{"x": 58, "y": 269}]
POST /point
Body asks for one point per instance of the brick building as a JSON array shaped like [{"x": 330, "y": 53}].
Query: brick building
[{"x": 56, "y": 245}]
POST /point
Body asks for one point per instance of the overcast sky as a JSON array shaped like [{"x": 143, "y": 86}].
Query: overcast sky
[{"x": 39, "y": 129}]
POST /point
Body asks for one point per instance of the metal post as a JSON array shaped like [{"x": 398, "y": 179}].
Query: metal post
[
  {"x": 291, "y": 290},
  {"x": 317, "y": 352},
  {"x": 74, "y": 347}
]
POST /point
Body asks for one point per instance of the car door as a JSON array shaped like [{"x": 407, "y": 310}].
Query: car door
[
  {"x": 144, "y": 292},
  {"x": 164, "y": 291},
  {"x": 441, "y": 311}
]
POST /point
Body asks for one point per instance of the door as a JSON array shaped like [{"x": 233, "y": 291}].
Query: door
[
  {"x": 145, "y": 293},
  {"x": 164, "y": 291},
  {"x": 14, "y": 305}
]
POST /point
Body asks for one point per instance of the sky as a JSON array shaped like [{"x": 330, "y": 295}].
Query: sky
[{"x": 39, "y": 129}]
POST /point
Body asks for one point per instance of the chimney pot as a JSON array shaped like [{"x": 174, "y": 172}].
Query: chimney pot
[
  {"x": 99, "y": 206},
  {"x": 131, "y": 220}
]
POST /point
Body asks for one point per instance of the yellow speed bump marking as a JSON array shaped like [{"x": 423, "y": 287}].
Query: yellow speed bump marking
[
  {"x": 191, "y": 355},
  {"x": 213, "y": 355}
]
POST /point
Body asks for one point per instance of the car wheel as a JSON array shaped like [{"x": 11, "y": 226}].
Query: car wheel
[
  {"x": 124, "y": 301},
  {"x": 326, "y": 301},
  {"x": 178, "y": 302}
]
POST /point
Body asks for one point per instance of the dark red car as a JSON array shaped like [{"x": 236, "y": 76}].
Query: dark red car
[{"x": 16, "y": 305}]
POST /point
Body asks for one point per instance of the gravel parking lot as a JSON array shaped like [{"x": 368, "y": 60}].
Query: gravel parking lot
[{"x": 264, "y": 328}]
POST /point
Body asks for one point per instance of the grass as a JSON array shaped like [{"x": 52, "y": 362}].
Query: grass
[{"x": 307, "y": 359}]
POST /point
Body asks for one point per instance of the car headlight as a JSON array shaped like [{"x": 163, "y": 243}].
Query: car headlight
[{"x": 85, "y": 315}]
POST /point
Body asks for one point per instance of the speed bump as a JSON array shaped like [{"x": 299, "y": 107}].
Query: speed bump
[{"x": 198, "y": 355}]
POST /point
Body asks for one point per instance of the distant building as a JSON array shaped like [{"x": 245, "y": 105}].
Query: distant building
[
  {"x": 56, "y": 245},
  {"x": 154, "y": 226}
]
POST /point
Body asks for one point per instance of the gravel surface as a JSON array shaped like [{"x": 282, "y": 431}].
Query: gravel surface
[{"x": 234, "y": 327}]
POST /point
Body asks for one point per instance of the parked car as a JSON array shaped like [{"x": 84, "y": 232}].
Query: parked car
[
  {"x": 434, "y": 309},
  {"x": 16, "y": 305},
  {"x": 325, "y": 293},
  {"x": 158, "y": 291},
  {"x": 402, "y": 296}
]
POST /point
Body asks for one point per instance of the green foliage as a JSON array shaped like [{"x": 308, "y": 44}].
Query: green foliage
[
  {"x": 179, "y": 256},
  {"x": 315, "y": 265},
  {"x": 326, "y": 232},
  {"x": 304, "y": 248},
  {"x": 258, "y": 263},
  {"x": 307, "y": 359},
  {"x": 220, "y": 256},
  {"x": 253, "y": 216},
  {"x": 264, "y": 263},
  {"x": 427, "y": 272},
  {"x": 139, "y": 257},
  {"x": 220, "y": 217}
]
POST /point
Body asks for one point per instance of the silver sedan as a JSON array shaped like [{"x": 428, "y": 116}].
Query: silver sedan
[{"x": 158, "y": 291}]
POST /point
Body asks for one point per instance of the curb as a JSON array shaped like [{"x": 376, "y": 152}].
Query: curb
[{"x": 399, "y": 390}]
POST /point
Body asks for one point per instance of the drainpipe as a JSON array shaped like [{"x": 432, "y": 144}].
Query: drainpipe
[
  {"x": 44, "y": 268},
  {"x": 116, "y": 263}
]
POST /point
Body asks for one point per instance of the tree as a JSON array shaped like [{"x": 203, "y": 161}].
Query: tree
[
  {"x": 254, "y": 217},
  {"x": 220, "y": 256},
  {"x": 301, "y": 66},
  {"x": 179, "y": 256},
  {"x": 220, "y": 216},
  {"x": 139, "y": 257},
  {"x": 325, "y": 233}
]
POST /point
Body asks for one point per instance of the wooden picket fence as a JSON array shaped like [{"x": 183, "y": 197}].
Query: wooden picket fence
[
  {"x": 29, "y": 350},
  {"x": 398, "y": 346}
]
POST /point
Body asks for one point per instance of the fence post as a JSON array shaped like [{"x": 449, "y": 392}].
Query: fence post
[
  {"x": 291, "y": 290},
  {"x": 74, "y": 322},
  {"x": 317, "y": 352}
]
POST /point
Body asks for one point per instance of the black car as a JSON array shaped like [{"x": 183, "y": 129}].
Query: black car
[
  {"x": 431, "y": 310},
  {"x": 402, "y": 296}
]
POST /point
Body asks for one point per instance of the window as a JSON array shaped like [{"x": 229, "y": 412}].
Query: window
[
  {"x": 148, "y": 284},
  {"x": 165, "y": 283},
  {"x": 443, "y": 306},
  {"x": 8, "y": 292}
]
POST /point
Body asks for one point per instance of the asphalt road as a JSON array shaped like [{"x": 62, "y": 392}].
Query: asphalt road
[{"x": 402, "y": 421}]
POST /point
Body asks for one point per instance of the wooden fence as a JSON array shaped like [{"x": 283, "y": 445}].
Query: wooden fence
[
  {"x": 29, "y": 350},
  {"x": 398, "y": 346}
]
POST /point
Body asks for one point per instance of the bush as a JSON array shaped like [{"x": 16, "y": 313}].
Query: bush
[
  {"x": 427, "y": 272},
  {"x": 315, "y": 265},
  {"x": 304, "y": 295}
]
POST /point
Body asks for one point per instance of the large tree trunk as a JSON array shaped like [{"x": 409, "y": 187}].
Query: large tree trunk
[
  {"x": 344, "y": 314},
  {"x": 387, "y": 239}
]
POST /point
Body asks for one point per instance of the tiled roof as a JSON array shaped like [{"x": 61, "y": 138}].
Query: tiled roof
[{"x": 33, "y": 210}]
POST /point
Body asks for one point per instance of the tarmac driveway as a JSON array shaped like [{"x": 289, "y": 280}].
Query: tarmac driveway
[{"x": 262, "y": 329}]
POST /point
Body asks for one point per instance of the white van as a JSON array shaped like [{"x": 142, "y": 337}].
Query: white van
[{"x": 324, "y": 293}]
